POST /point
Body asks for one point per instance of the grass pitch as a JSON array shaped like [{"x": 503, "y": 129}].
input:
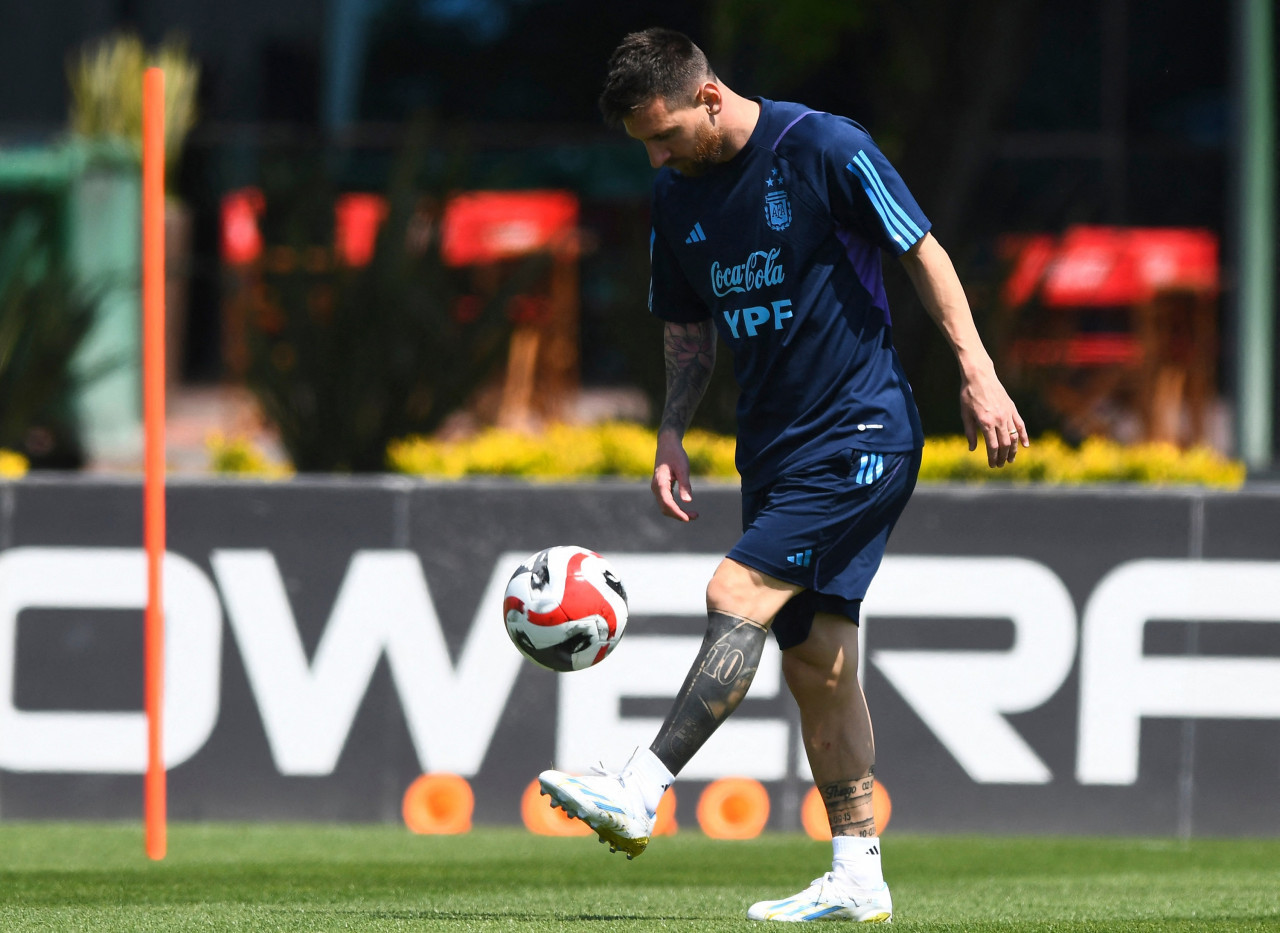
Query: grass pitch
[{"x": 91, "y": 877}]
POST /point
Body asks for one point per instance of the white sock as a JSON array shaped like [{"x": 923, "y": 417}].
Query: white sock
[
  {"x": 856, "y": 861},
  {"x": 647, "y": 772}
]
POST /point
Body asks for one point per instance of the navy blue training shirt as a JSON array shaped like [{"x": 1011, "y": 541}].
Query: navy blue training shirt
[{"x": 780, "y": 247}]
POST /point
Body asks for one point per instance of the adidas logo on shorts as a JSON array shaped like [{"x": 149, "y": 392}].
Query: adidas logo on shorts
[
  {"x": 801, "y": 558},
  {"x": 870, "y": 469}
]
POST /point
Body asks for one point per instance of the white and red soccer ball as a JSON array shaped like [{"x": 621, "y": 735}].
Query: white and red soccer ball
[{"x": 565, "y": 608}]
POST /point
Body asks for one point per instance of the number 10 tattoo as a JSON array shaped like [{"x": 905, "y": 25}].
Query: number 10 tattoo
[{"x": 716, "y": 684}]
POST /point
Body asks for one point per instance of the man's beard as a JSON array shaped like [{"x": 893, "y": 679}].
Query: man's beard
[{"x": 708, "y": 146}]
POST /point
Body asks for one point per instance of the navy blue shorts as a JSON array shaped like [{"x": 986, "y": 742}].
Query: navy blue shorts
[{"x": 825, "y": 526}]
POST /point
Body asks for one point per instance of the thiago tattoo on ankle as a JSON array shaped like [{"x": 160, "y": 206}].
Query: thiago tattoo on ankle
[
  {"x": 848, "y": 804},
  {"x": 716, "y": 684}
]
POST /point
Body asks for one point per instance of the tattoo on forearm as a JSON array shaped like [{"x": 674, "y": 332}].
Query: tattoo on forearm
[
  {"x": 716, "y": 684},
  {"x": 689, "y": 352},
  {"x": 848, "y": 805}
]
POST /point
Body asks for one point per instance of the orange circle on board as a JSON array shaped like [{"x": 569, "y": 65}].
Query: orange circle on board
[
  {"x": 733, "y": 808},
  {"x": 438, "y": 804},
  {"x": 813, "y": 812},
  {"x": 664, "y": 821},
  {"x": 541, "y": 818}
]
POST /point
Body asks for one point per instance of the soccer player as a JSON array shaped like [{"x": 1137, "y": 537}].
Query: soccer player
[{"x": 768, "y": 224}]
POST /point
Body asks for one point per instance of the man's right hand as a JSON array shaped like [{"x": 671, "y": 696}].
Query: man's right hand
[{"x": 671, "y": 479}]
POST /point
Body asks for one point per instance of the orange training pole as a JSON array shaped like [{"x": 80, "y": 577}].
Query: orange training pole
[{"x": 154, "y": 787}]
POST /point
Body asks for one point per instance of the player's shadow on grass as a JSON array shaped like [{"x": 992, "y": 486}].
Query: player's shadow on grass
[{"x": 506, "y": 915}]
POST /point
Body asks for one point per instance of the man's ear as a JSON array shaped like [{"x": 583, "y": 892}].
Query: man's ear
[{"x": 711, "y": 97}]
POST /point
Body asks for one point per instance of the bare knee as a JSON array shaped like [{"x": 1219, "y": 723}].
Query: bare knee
[
  {"x": 813, "y": 679},
  {"x": 729, "y": 592},
  {"x": 744, "y": 591},
  {"x": 822, "y": 671}
]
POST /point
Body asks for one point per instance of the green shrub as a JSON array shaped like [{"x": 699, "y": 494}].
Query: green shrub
[
  {"x": 342, "y": 359},
  {"x": 44, "y": 320}
]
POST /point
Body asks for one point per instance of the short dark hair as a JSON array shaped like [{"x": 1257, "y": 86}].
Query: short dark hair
[{"x": 651, "y": 64}]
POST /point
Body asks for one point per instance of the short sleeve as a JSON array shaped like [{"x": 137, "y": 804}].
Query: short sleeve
[
  {"x": 867, "y": 194},
  {"x": 671, "y": 297}
]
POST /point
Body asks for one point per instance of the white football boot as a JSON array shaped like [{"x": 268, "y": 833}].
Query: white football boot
[
  {"x": 604, "y": 802},
  {"x": 827, "y": 899}
]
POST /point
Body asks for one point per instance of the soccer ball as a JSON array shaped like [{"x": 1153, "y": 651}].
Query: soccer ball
[{"x": 565, "y": 608}]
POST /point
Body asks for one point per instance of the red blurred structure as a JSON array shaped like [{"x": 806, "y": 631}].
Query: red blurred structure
[
  {"x": 241, "y": 239},
  {"x": 1093, "y": 266},
  {"x": 486, "y": 229},
  {"x": 357, "y": 219},
  {"x": 490, "y": 226},
  {"x": 1110, "y": 317},
  {"x": 481, "y": 231}
]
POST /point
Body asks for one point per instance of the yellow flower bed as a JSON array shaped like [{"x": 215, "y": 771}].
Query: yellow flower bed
[
  {"x": 1052, "y": 460},
  {"x": 561, "y": 452},
  {"x": 12, "y": 465},
  {"x": 625, "y": 449},
  {"x": 239, "y": 456}
]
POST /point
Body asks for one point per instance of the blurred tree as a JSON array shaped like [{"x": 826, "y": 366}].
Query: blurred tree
[
  {"x": 931, "y": 80},
  {"x": 955, "y": 68},
  {"x": 345, "y": 358},
  {"x": 778, "y": 45}
]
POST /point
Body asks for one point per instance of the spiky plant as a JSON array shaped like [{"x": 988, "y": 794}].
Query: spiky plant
[
  {"x": 343, "y": 360},
  {"x": 105, "y": 80},
  {"x": 44, "y": 319}
]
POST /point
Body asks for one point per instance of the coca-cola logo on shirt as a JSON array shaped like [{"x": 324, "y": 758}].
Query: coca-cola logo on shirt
[{"x": 760, "y": 270}]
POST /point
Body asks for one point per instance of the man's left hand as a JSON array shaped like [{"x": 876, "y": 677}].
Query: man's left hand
[{"x": 987, "y": 410}]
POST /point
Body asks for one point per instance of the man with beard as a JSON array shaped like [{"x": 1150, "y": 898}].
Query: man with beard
[{"x": 769, "y": 219}]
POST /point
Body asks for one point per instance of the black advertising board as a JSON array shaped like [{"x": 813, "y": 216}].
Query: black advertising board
[{"x": 1036, "y": 660}]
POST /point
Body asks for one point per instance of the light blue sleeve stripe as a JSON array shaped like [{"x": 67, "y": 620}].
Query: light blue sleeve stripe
[
  {"x": 653, "y": 236},
  {"x": 894, "y": 205},
  {"x": 897, "y": 208},
  {"x": 891, "y": 226}
]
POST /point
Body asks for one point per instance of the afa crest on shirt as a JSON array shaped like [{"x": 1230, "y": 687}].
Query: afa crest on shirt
[{"x": 777, "y": 209}]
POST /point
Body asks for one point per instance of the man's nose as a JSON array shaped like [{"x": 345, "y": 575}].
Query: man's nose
[{"x": 658, "y": 155}]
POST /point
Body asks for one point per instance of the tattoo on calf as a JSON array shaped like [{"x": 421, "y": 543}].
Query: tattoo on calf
[
  {"x": 716, "y": 684},
  {"x": 848, "y": 805}
]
